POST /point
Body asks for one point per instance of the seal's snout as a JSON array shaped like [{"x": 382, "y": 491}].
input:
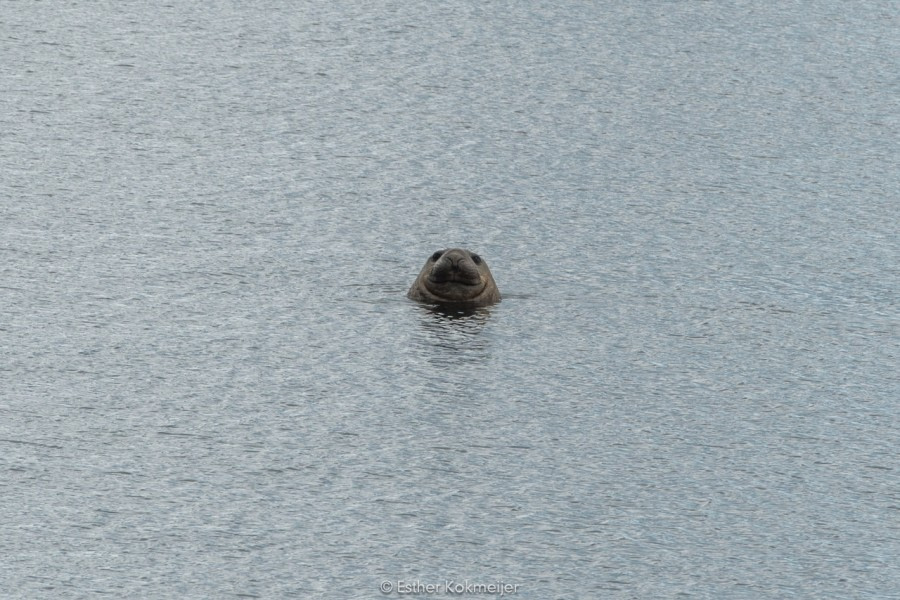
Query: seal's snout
[
  {"x": 455, "y": 266},
  {"x": 456, "y": 258}
]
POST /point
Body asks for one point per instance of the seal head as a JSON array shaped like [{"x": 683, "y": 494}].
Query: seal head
[{"x": 455, "y": 276}]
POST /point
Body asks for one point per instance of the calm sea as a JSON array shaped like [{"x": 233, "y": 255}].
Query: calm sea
[{"x": 213, "y": 386}]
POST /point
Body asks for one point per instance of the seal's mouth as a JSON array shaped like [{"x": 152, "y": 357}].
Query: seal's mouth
[{"x": 458, "y": 278}]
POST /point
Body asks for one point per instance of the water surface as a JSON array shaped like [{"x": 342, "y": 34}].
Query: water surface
[{"x": 212, "y": 385}]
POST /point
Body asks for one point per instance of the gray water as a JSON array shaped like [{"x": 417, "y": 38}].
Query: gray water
[{"x": 213, "y": 386}]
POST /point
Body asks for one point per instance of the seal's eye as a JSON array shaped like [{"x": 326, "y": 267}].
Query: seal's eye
[
  {"x": 476, "y": 259},
  {"x": 436, "y": 255}
]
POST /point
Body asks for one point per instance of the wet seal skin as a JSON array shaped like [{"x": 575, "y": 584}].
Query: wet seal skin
[{"x": 455, "y": 277}]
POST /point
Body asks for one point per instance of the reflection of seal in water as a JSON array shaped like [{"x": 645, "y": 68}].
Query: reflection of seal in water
[{"x": 455, "y": 276}]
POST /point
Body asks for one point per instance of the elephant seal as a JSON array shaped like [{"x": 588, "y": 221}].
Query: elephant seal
[{"x": 455, "y": 276}]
